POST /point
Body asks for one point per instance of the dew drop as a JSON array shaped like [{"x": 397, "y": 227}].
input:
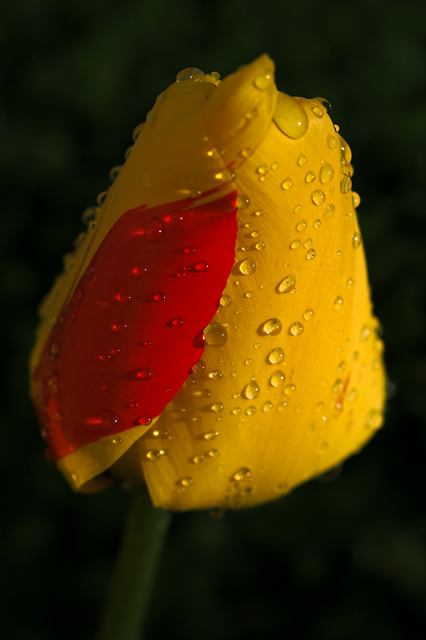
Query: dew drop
[
  {"x": 116, "y": 440},
  {"x": 290, "y": 117},
  {"x": 217, "y": 407},
  {"x": 119, "y": 327},
  {"x": 262, "y": 169},
  {"x": 317, "y": 224},
  {"x": 326, "y": 173},
  {"x": 345, "y": 184},
  {"x": 301, "y": 225},
  {"x": 241, "y": 474},
  {"x": 264, "y": 80},
  {"x": 310, "y": 177},
  {"x": 356, "y": 240},
  {"x": 282, "y": 486},
  {"x": 329, "y": 211},
  {"x": 250, "y": 410},
  {"x": 338, "y": 303},
  {"x": 144, "y": 374},
  {"x": 110, "y": 421},
  {"x": 276, "y": 356},
  {"x": 301, "y": 160},
  {"x": 159, "y": 433},
  {"x": 213, "y": 453},
  {"x": 184, "y": 482},
  {"x": 318, "y": 112},
  {"x": 272, "y": 327},
  {"x": 267, "y": 406},
  {"x": 296, "y": 329},
  {"x": 235, "y": 411},
  {"x": 154, "y": 230},
  {"x": 310, "y": 255},
  {"x": 332, "y": 142},
  {"x": 216, "y": 334},
  {"x": 189, "y": 73},
  {"x": 225, "y": 301},
  {"x": 288, "y": 284},
  {"x": 282, "y": 406},
  {"x": 153, "y": 454},
  {"x": 210, "y": 435},
  {"x": 260, "y": 246},
  {"x": 197, "y": 459},
  {"x": 356, "y": 200},
  {"x": 277, "y": 379},
  {"x": 216, "y": 375},
  {"x": 308, "y": 314},
  {"x": 251, "y": 390},
  {"x": 259, "y": 213},
  {"x": 318, "y": 197},
  {"x": 247, "y": 267},
  {"x": 295, "y": 244},
  {"x": 287, "y": 184},
  {"x": 176, "y": 322},
  {"x": 159, "y": 297},
  {"x": 242, "y": 201}
]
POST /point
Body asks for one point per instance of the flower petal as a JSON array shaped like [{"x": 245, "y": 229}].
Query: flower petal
[{"x": 299, "y": 384}]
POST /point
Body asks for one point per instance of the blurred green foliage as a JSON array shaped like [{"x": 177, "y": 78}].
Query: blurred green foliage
[{"x": 330, "y": 561}]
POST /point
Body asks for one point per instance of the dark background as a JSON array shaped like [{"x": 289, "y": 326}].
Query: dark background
[{"x": 330, "y": 561}]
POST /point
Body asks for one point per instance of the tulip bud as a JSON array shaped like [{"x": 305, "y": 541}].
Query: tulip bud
[{"x": 212, "y": 333}]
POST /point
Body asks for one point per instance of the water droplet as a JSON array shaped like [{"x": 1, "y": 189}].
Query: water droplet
[
  {"x": 241, "y": 474},
  {"x": 323, "y": 447},
  {"x": 258, "y": 345},
  {"x": 332, "y": 142},
  {"x": 277, "y": 378},
  {"x": 262, "y": 169},
  {"x": 307, "y": 243},
  {"x": 247, "y": 267},
  {"x": 345, "y": 184},
  {"x": 197, "y": 459},
  {"x": 295, "y": 244},
  {"x": 282, "y": 406},
  {"x": 190, "y": 73},
  {"x": 154, "y": 454},
  {"x": 235, "y": 411},
  {"x": 356, "y": 199},
  {"x": 310, "y": 177},
  {"x": 159, "y": 297},
  {"x": 226, "y": 175},
  {"x": 144, "y": 374},
  {"x": 276, "y": 356},
  {"x": 318, "y": 112},
  {"x": 154, "y": 230},
  {"x": 175, "y": 322},
  {"x": 260, "y": 246},
  {"x": 142, "y": 420},
  {"x": 288, "y": 284},
  {"x": 296, "y": 329},
  {"x": 338, "y": 303},
  {"x": 290, "y": 117},
  {"x": 102, "y": 198},
  {"x": 326, "y": 173},
  {"x": 119, "y": 327},
  {"x": 184, "y": 482},
  {"x": 159, "y": 433},
  {"x": 356, "y": 240},
  {"x": 301, "y": 160},
  {"x": 251, "y": 390},
  {"x": 242, "y": 201},
  {"x": 216, "y": 334},
  {"x": 217, "y": 407},
  {"x": 352, "y": 395},
  {"x": 210, "y": 435},
  {"x": 318, "y": 197},
  {"x": 329, "y": 211},
  {"x": 287, "y": 184},
  {"x": 310, "y": 255},
  {"x": 110, "y": 421},
  {"x": 264, "y": 80},
  {"x": 301, "y": 225},
  {"x": 250, "y": 410},
  {"x": 213, "y": 453},
  {"x": 317, "y": 224},
  {"x": 272, "y": 327}
]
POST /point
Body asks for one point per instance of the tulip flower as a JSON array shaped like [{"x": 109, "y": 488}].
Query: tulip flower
[{"x": 212, "y": 333}]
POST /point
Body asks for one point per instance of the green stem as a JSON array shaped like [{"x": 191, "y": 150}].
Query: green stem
[{"x": 134, "y": 574}]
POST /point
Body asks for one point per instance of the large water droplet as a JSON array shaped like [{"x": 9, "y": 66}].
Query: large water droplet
[
  {"x": 318, "y": 197},
  {"x": 216, "y": 334},
  {"x": 310, "y": 255},
  {"x": 276, "y": 356},
  {"x": 247, "y": 267},
  {"x": 277, "y": 378},
  {"x": 251, "y": 390},
  {"x": 326, "y": 173},
  {"x": 288, "y": 284},
  {"x": 296, "y": 329},
  {"x": 190, "y": 73},
  {"x": 301, "y": 225},
  {"x": 287, "y": 184},
  {"x": 290, "y": 117},
  {"x": 110, "y": 421},
  {"x": 356, "y": 240},
  {"x": 272, "y": 327}
]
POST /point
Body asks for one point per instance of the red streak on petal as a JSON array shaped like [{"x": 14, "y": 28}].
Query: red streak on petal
[{"x": 81, "y": 383}]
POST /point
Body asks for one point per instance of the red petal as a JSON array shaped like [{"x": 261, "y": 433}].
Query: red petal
[{"x": 124, "y": 344}]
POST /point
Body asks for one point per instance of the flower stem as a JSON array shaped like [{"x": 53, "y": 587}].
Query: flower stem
[{"x": 134, "y": 574}]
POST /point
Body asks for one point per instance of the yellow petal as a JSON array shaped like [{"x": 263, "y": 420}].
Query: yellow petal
[{"x": 299, "y": 383}]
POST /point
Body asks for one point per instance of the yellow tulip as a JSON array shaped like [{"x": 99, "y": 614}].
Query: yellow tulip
[{"x": 212, "y": 334}]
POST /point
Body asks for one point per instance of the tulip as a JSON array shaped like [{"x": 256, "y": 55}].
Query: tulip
[{"x": 212, "y": 333}]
